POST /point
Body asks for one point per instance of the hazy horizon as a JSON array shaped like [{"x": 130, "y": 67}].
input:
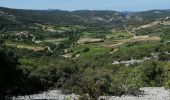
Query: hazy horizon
[{"x": 114, "y": 5}]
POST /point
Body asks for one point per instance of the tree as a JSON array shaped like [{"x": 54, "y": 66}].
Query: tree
[{"x": 9, "y": 72}]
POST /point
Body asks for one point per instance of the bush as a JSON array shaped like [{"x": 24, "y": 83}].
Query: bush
[
  {"x": 125, "y": 82},
  {"x": 152, "y": 74},
  {"x": 164, "y": 57},
  {"x": 167, "y": 76},
  {"x": 167, "y": 84},
  {"x": 9, "y": 73},
  {"x": 86, "y": 50}
]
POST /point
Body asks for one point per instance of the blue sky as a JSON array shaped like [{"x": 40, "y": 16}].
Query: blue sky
[{"x": 119, "y": 5}]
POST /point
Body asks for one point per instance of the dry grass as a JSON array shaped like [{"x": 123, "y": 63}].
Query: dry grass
[
  {"x": 146, "y": 38},
  {"x": 25, "y": 46},
  {"x": 34, "y": 48},
  {"x": 55, "y": 41},
  {"x": 89, "y": 40},
  {"x": 113, "y": 43}
]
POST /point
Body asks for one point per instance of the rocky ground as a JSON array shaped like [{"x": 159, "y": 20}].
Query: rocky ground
[
  {"x": 48, "y": 95},
  {"x": 149, "y": 93}
]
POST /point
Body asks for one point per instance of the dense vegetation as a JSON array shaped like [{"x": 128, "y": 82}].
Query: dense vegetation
[{"x": 75, "y": 52}]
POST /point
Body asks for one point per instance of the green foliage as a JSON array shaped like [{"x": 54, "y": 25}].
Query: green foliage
[
  {"x": 120, "y": 35},
  {"x": 164, "y": 57},
  {"x": 135, "y": 51},
  {"x": 90, "y": 73},
  {"x": 126, "y": 81},
  {"x": 152, "y": 74},
  {"x": 167, "y": 75},
  {"x": 129, "y": 80},
  {"x": 9, "y": 72},
  {"x": 86, "y": 50}
]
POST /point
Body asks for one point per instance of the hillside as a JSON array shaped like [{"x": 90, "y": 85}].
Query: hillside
[
  {"x": 26, "y": 17},
  {"x": 90, "y": 53}
]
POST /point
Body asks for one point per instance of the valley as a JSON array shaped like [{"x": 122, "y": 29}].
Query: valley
[{"x": 88, "y": 53}]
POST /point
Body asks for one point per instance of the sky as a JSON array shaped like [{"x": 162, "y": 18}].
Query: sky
[{"x": 118, "y": 5}]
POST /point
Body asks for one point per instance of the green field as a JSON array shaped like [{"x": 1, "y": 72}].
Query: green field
[
  {"x": 92, "y": 50},
  {"x": 119, "y": 35}
]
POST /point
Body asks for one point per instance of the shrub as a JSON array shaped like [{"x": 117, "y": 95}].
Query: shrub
[
  {"x": 125, "y": 81},
  {"x": 10, "y": 74},
  {"x": 152, "y": 74},
  {"x": 164, "y": 57},
  {"x": 86, "y": 50}
]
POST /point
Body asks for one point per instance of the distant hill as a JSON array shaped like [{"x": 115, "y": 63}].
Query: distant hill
[{"x": 12, "y": 18}]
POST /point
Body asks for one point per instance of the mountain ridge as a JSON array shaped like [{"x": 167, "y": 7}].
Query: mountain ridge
[{"x": 20, "y": 17}]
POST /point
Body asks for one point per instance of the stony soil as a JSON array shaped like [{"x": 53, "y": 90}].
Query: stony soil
[{"x": 149, "y": 93}]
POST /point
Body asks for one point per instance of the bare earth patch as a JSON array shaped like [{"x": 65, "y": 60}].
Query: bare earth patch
[
  {"x": 136, "y": 38},
  {"x": 145, "y": 38},
  {"x": 55, "y": 41},
  {"x": 29, "y": 47},
  {"x": 67, "y": 55},
  {"x": 89, "y": 40}
]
